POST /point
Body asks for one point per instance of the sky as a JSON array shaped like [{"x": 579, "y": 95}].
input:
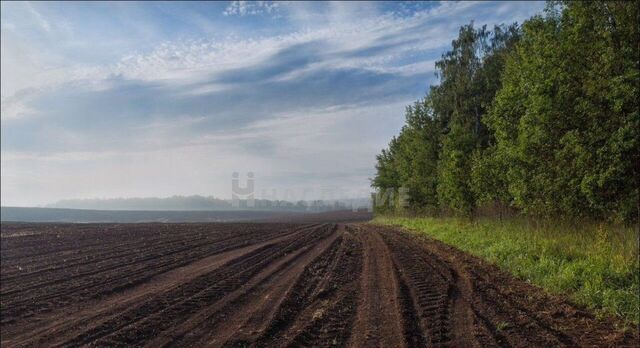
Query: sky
[{"x": 126, "y": 99}]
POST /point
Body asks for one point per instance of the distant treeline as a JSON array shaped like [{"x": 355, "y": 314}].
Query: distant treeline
[
  {"x": 202, "y": 203},
  {"x": 540, "y": 118}
]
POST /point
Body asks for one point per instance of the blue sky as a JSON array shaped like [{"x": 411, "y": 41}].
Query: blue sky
[{"x": 127, "y": 99}]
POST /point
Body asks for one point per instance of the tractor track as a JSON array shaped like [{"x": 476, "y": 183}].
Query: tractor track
[{"x": 270, "y": 284}]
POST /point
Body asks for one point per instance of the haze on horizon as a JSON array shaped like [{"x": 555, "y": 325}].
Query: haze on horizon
[{"x": 162, "y": 99}]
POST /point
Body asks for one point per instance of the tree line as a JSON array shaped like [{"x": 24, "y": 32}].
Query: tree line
[{"x": 541, "y": 118}]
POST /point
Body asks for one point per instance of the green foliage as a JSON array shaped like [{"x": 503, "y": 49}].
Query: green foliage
[
  {"x": 420, "y": 155},
  {"x": 410, "y": 161},
  {"x": 542, "y": 117},
  {"x": 488, "y": 180},
  {"x": 470, "y": 77},
  {"x": 567, "y": 115},
  {"x": 431, "y": 157},
  {"x": 453, "y": 172},
  {"x": 596, "y": 265}
]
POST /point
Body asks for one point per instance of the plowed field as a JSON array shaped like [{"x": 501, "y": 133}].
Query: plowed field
[{"x": 269, "y": 284}]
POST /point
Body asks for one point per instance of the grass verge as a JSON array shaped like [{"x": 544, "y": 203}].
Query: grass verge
[{"x": 596, "y": 266}]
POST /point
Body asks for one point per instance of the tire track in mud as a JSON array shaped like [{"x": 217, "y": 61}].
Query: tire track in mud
[
  {"x": 321, "y": 307},
  {"x": 286, "y": 285},
  {"x": 379, "y": 322},
  {"x": 123, "y": 275},
  {"x": 250, "y": 308},
  {"x": 102, "y": 310},
  {"x": 434, "y": 293},
  {"x": 464, "y": 302},
  {"x": 144, "y": 321}
]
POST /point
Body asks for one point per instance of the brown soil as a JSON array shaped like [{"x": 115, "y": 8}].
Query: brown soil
[{"x": 270, "y": 284}]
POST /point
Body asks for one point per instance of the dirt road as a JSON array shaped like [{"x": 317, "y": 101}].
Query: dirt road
[{"x": 270, "y": 284}]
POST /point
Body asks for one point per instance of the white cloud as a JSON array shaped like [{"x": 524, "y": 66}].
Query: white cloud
[
  {"x": 180, "y": 116},
  {"x": 188, "y": 61},
  {"x": 14, "y": 108},
  {"x": 42, "y": 23},
  {"x": 251, "y": 8}
]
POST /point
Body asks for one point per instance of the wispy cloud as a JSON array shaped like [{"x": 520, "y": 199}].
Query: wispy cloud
[
  {"x": 251, "y": 8},
  {"x": 276, "y": 95}
]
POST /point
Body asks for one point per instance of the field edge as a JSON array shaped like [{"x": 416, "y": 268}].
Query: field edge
[{"x": 538, "y": 261}]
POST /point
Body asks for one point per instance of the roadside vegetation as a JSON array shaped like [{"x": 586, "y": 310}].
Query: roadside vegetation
[
  {"x": 530, "y": 122},
  {"x": 595, "y": 265}
]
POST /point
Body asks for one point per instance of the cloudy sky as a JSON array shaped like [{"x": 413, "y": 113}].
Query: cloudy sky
[{"x": 160, "y": 99}]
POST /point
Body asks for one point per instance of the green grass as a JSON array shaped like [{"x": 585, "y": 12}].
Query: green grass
[{"x": 596, "y": 265}]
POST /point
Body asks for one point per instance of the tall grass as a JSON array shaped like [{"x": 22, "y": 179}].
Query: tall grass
[{"x": 596, "y": 265}]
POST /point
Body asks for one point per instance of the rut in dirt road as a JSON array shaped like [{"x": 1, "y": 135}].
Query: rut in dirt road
[{"x": 270, "y": 284}]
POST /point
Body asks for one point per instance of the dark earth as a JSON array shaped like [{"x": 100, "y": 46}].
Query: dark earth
[{"x": 271, "y": 284}]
